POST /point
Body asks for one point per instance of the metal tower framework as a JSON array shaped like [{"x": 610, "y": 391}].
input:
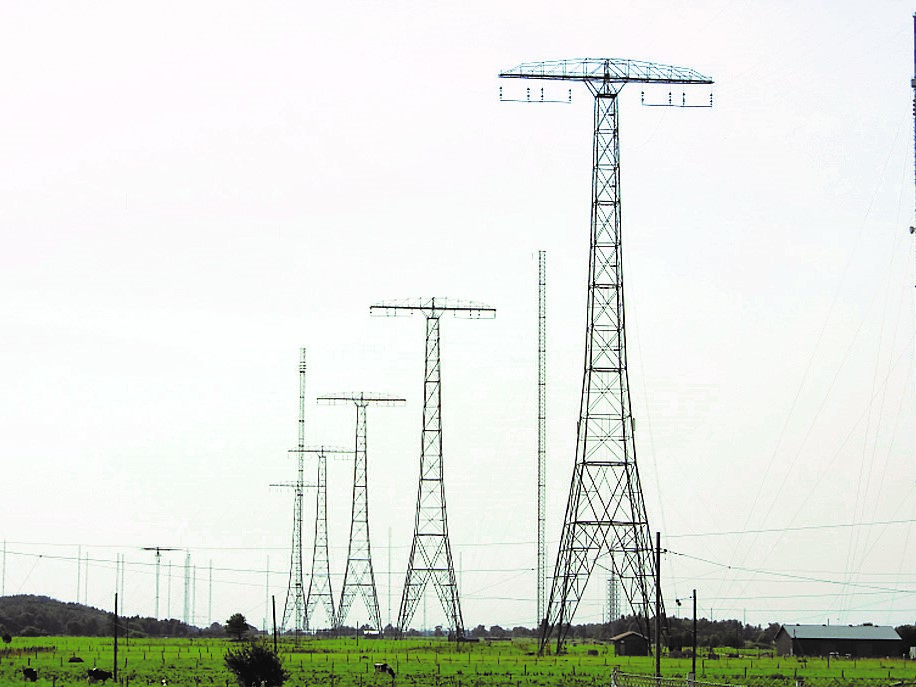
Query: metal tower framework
[
  {"x": 430, "y": 552},
  {"x": 542, "y": 436},
  {"x": 158, "y": 552},
  {"x": 359, "y": 575},
  {"x": 320, "y": 591},
  {"x": 294, "y": 606},
  {"x": 613, "y": 598},
  {"x": 605, "y": 512}
]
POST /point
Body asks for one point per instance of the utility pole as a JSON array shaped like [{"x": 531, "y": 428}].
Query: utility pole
[
  {"x": 158, "y": 552},
  {"x": 605, "y": 511},
  {"x": 431, "y": 551},
  {"x": 693, "y": 662},
  {"x": 658, "y": 604},
  {"x": 359, "y": 575},
  {"x": 542, "y": 438}
]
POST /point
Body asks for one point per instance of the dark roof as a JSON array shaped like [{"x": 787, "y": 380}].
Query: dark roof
[
  {"x": 626, "y": 635},
  {"x": 869, "y": 632}
]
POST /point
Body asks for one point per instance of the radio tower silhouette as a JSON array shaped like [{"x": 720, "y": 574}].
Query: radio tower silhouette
[
  {"x": 320, "y": 580},
  {"x": 605, "y": 512},
  {"x": 431, "y": 552},
  {"x": 294, "y": 606},
  {"x": 359, "y": 575}
]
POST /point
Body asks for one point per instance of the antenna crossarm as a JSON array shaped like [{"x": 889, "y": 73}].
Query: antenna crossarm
[{"x": 599, "y": 73}]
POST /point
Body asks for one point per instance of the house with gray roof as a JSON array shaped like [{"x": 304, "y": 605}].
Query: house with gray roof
[{"x": 861, "y": 641}]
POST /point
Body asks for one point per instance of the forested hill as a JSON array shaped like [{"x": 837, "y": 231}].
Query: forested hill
[{"x": 26, "y": 615}]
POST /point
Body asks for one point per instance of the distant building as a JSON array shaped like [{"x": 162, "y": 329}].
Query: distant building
[
  {"x": 630, "y": 644},
  {"x": 860, "y": 641}
]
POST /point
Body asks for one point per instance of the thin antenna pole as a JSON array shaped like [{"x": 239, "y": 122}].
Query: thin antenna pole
[
  {"x": 389, "y": 575},
  {"x": 193, "y": 594},
  {"x": 913, "y": 84},
  {"x": 86, "y": 581},
  {"x": 294, "y": 607},
  {"x": 210, "y": 596},
  {"x": 79, "y": 569},
  {"x": 115, "y": 669},
  {"x": 266, "y": 593},
  {"x": 542, "y": 436},
  {"x": 187, "y": 587},
  {"x": 3, "y": 578}
]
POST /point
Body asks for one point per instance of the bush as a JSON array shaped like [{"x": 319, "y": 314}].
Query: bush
[{"x": 255, "y": 663}]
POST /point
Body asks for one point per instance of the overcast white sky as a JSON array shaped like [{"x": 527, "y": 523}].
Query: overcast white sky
[{"x": 192, "y": 191}]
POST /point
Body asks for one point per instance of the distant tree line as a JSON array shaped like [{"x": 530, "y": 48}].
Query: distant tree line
[
  {"x": 34, "y": 616},
  {"x": 27, "y": 615}
]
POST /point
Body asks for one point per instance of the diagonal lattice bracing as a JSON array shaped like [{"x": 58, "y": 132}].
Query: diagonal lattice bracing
[
  {"x": 359, "y": 575},
  {"x": 430, "y": 552},
  {"x": 605, "y": 511}
]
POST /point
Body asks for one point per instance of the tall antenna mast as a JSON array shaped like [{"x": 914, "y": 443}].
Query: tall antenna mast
[
  {"x": 294, "y": 607},
  {"x": 187, "y": 587},
  {"x": 319, "y": 591},
  {"x": 158, "y": 551},
  {"x": 431, "y": 551},
  {"x": 913, "y": 84},
  {"x": 359, "y": 575},
  {"x": 542, "y": 436},
  {"x": 605, "y": 512}
]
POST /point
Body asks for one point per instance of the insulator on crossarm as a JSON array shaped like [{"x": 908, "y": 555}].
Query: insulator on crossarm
[
  {"x": 542, "y": 95},
  {"x": 500, "y": 92},
  {"x": 642, "y": 97},
  {"x": 528, "y": 94},
  {"x": 569, "y": 99},
  {"x": 683, "y": 99},
  {"x": 710, "y": 98},
  {"x": 669, "y": 98}
]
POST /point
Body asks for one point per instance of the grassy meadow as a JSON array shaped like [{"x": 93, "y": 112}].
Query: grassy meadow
[{"x": 419, "y": 663}]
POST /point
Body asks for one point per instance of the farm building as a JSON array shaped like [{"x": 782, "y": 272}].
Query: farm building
[
  {"x": 630, "y": 644},
  {"x": 854, "y": 640}
]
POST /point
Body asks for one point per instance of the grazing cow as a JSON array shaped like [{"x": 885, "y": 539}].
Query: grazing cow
[
  {"x": 384, "y": 668},
  {"x": 98, "y": 675},
  {"x": 30, "y": 674}
]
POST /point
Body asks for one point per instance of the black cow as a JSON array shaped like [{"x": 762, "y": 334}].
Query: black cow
[
  {"x": 30, "y": 674},
  {"x": 99, "y": 675}
]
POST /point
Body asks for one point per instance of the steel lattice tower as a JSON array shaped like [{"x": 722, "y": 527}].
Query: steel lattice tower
[
  {"x": 605, "y": 512},
  {"x": 294, "y": 607},
  {"x": 320, "y": 580},
  {"x": 542, "y": 436},
  {"x": 431, "y": 552},
  {"x": 359, "y": 575}
]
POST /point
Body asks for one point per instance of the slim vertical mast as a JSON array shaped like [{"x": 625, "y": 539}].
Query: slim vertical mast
[
  {"x": 542, "y": 435},
  {"x": 294, "y": 607}
]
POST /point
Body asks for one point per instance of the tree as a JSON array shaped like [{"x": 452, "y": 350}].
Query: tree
[
  {"x": 254, "y": 664},
  {"x": 237, "y": 625}
]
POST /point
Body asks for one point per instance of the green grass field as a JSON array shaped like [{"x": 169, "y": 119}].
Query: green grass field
[{"x": 419, "y": 663}]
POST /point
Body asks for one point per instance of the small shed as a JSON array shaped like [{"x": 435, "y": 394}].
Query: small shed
[
  {"x": 630, "y": 644},
  {"x": 861, "y": 641}
]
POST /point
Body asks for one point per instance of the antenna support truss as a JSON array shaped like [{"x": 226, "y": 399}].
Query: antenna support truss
[{"x": 605, "y": 511}]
